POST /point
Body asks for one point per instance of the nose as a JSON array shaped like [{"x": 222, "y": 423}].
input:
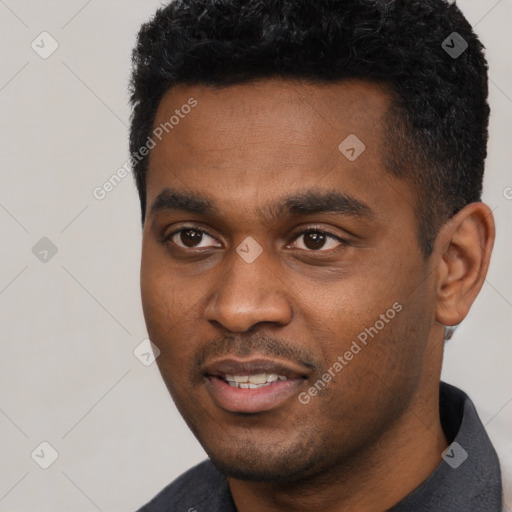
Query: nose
[{"x": 247, "y": 294}]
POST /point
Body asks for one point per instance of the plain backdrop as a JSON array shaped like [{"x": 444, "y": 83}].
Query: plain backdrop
[{"x": 70, "y": 309}]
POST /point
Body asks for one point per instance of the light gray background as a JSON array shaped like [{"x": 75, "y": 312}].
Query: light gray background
[{"x": 69, "y": 325}]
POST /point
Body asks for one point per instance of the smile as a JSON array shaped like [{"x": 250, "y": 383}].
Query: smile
[
  {"x": 253, "y": 386},
  {"x": 256, "y": 381}
]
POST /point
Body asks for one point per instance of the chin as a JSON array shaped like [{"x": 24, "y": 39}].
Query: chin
[
  {"x": 275, "y": 473},
  {"x": 264, "y": 464}
]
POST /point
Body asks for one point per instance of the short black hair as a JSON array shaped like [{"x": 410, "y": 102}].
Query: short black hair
[{"x": 437, "y": 123}]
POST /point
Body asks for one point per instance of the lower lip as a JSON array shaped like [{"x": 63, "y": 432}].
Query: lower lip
[{"x": 253, "y": 400}]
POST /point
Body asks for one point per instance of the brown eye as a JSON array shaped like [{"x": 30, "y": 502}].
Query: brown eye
[
  {"x": 192, "y": 238},
  {"x": 315, "y": 240}
]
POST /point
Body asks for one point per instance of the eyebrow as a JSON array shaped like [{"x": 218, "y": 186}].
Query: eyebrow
[
  {"x": 173, "y": 200},
  {"x": 303, "y": 203},
  {"x": 316, "y": 201}
]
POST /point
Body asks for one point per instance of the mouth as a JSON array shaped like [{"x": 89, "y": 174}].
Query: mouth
[
  {"x": 255, "y": 381},
  {"x": 252, "y": 386}
]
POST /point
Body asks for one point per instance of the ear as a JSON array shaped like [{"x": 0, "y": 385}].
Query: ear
[{"x": 464, "y": 245}]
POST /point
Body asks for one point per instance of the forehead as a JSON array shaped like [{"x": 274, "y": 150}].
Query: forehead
[
  {"x": 294, "y": 111},
  {"x": 256, "y": 140}
]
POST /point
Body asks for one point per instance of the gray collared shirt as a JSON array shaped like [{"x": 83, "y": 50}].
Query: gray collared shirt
[{"x": 467, "y": 480}]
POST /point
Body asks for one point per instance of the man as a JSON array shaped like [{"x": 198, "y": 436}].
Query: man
[{"x": 310, "y": 176}]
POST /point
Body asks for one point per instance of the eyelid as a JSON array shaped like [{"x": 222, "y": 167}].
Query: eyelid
[
  {"x": 167, "y": 237},
  {"x": 318, "y": 229}
]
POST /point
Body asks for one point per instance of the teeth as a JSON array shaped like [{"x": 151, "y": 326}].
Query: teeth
[
  {"x": 253, "y": 381},
  {"x": 260, "y": 378},
  {"x": 247, "y": 385}
]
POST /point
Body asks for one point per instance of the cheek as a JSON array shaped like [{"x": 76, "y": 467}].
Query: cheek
[
  {"x": 375, "y": 367},
  {"x": 158, "y": 288},
  {"x": 159, "y": 301},
  {"x": 167, "y": 330},
  {"x": 377, "y": 324},
  {"x": 167, "y": 307},
  {"x": 155, "y": 298}
]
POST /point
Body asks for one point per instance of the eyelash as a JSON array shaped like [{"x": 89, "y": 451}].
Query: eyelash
[{"x": 167, "y": 238}]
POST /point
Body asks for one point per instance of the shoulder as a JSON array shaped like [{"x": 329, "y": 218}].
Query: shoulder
[{"x": 199, "y": 487}]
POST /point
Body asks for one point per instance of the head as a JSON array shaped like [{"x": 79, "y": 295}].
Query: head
[{"x": 309, "y": 180}]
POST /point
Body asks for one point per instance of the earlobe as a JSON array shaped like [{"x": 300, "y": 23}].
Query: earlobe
[{"x": 464, "y": 245}]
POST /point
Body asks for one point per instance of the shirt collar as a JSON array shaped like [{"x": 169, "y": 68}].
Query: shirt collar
[{"x": 469, "y": 476}]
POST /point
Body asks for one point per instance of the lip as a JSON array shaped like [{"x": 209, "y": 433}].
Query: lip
[{"x": 253, "y": 400}]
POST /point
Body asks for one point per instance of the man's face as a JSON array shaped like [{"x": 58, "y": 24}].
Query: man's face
[{"x": 295, "y": 260}]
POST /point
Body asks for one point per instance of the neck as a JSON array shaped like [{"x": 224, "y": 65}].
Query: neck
[{"x": 372, "y": 480}]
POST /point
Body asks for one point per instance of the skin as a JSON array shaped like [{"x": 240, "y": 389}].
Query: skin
[{"x": 373, "y": 433}]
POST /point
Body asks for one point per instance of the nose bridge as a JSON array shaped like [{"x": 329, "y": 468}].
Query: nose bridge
[{"x": 248, "y": 292}]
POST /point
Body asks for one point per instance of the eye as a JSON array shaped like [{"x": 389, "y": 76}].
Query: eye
[
  {"x": 316, "y": 239},
  {"x": 191, "y": 238}
]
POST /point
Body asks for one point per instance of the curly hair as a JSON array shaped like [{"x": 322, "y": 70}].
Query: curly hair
[{"x": 436, "y": 127}]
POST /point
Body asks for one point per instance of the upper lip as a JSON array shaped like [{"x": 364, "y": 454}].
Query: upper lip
[{"x": 234, "y": 366}]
